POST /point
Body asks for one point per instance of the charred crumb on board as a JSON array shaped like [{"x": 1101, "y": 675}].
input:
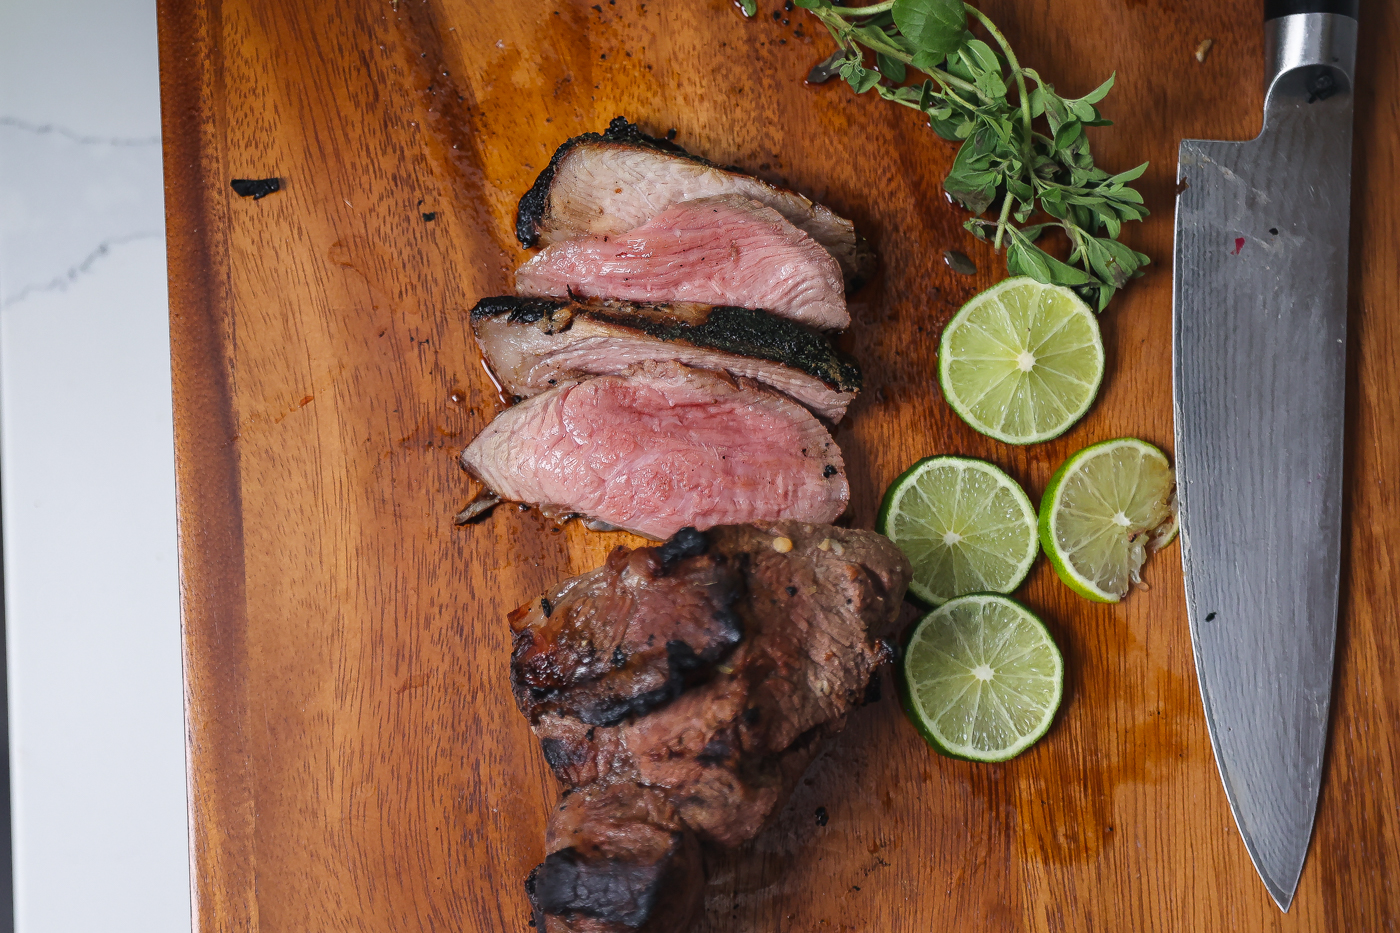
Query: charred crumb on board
[
  {"x": 255, "y": 188},
  {"x": 822, "y": 816}
]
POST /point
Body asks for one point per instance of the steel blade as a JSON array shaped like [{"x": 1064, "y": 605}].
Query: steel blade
[{"x": 1259, "y": 342}]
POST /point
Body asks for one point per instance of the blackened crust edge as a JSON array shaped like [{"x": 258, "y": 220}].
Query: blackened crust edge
[
  {"x": 746, "y": 332},
  {"x": 521, "y": 310},
  {"x": 532, "y": 204},
  {"x": 613, "y": 890}
]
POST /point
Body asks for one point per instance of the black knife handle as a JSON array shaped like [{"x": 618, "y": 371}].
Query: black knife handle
[{"x": 1273, "y": 9}]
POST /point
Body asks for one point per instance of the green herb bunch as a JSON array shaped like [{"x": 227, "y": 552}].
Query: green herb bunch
[{"x": 1018, "y": 159}]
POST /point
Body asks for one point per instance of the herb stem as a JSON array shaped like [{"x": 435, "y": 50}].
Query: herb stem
[
  {"x": 953, "y": 81},
  {"x": 842, "y": 32},
  {"x": 858, "y": 11},
  {"x": 1015, "y": 70},
  {"x": 1001, "y": 221}
]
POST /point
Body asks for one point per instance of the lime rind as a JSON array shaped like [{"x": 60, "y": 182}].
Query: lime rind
[
  {"x": 1096, "y": 529},
  {"x": 981, "y": 678},
  {"x": 989, "y": 513},
  {"x": 986, "y": 348}
]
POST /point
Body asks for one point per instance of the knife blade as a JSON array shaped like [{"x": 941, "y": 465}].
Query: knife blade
[{"x": 1259, "y": 358}]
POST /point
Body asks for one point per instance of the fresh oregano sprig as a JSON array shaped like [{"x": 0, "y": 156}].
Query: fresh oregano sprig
[{"x": 1020, "y": 159}]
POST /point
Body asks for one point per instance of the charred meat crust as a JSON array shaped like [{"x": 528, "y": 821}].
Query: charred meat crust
[
  {"x": 686, "y": 543},
  {"x": 629, "y": 640},
  {"x": 532, "y": 205},
  {"x": 727, "y": 748},
  {"x": 717, "y": 762},
  {"x": 738, "y": 331},
  {"x": 619, "y": 861},
  {"x": 609, "y": 889},
  {"x": 520, "y": 310}
]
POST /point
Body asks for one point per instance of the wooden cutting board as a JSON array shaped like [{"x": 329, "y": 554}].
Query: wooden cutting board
[{"x": 356, "y": 761}]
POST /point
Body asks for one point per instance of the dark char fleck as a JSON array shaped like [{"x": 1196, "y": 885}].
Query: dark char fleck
[
  {"x": 684, "y": 544},
  {"x": 521, "y": 310},
  {"x": 255, "y": 188}
]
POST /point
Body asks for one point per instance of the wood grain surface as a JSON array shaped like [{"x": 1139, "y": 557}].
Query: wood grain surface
[{"x": 356, "y": 761}]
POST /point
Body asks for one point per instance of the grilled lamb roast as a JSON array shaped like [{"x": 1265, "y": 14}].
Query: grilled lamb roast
[
  {"x": 606, "y": 184},
  {"x": 706, "y": 672},
  {"x": 534, "y": 344},
  {"x": 722, "y": 250},
  {"x": 662, "y": 447}
]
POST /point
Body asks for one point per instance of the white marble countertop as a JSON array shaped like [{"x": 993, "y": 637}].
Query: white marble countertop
[{"x": 86, "y": 469}]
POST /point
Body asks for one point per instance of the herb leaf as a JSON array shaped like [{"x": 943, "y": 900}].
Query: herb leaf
[{"x": 934, "y": 26}]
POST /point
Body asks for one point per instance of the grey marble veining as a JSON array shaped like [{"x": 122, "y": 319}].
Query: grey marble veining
[
  {"x": 69, "y": 201},
  {"x": 100, "y": 831}
]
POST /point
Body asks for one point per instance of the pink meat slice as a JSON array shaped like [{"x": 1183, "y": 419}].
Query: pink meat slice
[
  {"x": 723, "y": 250},
  {"x": 662, "y": 448}
]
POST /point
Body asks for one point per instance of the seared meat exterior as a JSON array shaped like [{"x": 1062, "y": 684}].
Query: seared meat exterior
[
  {"x": 605, "y": 184},
  {"x": 619, "y": 860},
  {"x": 660, "y": 448},
  {"x": 534, "y": 344},
  {"x": 722, "y": 250},
  {"x": 630, "y": 636},
  {"x": 709, "y": 667}
]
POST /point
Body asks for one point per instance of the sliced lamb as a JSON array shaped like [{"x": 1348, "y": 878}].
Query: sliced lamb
[
  {"x": 660, "y": 448},
  {"x": 606, "y": 184},
  {"x": 722, "y": 250},
  {"x": 731, "y": 736},
  {"x": 534, "y": 344}
]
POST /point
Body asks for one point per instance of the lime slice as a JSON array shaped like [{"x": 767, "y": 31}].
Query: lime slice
[
  {"x": 964, "y": 525},
  {"x": 1105, "y": 510},
  {"x": 982, "y": 678},
  {"x": 1021, "y": 361}
]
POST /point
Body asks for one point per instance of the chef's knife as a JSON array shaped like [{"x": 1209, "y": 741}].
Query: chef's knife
[{"x": 1259, "y": 355}]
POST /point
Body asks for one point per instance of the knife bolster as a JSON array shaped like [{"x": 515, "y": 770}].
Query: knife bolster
[
  {"x": 1323, "y": 43},
  {"x": 1273, "y": 9}
]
